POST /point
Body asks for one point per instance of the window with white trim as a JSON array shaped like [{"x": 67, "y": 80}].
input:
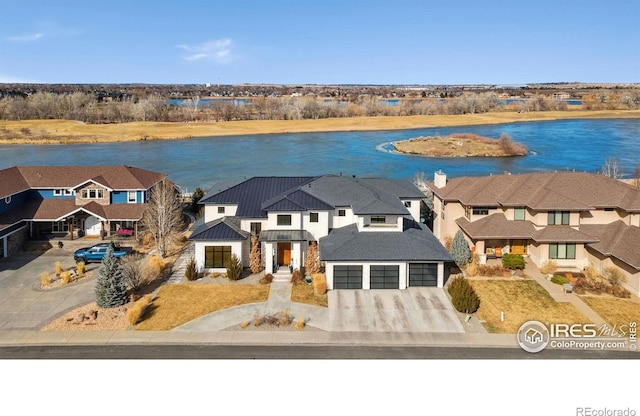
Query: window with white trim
[
  {"x": 132, "y": 197},
  {"x": 57, "y": 192},
  {"x": 519, "y": 213}
]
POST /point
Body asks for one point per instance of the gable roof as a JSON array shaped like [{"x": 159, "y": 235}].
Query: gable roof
[
  {"x": 21, "y": 178},
  {"x": 258, "y": 195},
  {"x": 415, "y": 243},
  {"x": 364, "y": 195},
  {"x": 225, "y": 228},
  {"x": 573, "y": 191},
  {"x": 250, "y": 194}
]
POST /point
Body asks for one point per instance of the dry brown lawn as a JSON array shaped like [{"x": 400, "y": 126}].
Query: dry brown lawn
[
  {"x": 177, "y": 304},
  {"x": 68, "y": 131},
  {"x": 304, "y": 294},
  {"x": 521, "y": 301},
  {"x": 614, "y": 311}
]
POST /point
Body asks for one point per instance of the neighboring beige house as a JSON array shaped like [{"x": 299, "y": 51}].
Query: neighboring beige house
[{"x": 570, "y": 217}]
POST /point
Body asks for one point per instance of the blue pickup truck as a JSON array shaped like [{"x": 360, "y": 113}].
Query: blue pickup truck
[{"x": 96, "y": 253}]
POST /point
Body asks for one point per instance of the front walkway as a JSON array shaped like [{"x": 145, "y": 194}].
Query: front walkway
[{"x": 558, "y": 294}]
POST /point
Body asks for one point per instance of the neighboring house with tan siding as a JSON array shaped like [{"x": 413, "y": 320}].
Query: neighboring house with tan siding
[
  {"x": 43, "y": 201},
  {"x": 572, "y": 218}
]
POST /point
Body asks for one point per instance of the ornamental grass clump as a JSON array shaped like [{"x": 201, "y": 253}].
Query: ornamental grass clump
[{"x": 139, "y": 309}]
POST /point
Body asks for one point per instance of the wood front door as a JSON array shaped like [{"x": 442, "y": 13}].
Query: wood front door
[
  {"x": 518, "y": 247},
  {"x": 284, "y": 254}
]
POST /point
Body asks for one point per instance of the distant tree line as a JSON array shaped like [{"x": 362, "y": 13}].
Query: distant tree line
[{"x": 97, "y": 108}]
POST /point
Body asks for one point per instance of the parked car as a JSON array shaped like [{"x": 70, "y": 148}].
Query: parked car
[{"x": 96, "y": 253}]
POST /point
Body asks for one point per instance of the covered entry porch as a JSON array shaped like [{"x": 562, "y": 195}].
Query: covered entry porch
[{"x": 285, "y": 248}]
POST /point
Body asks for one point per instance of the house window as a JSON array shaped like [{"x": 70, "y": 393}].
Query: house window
[
  {"x": 92, "y": 193},
  {"x": 85, "y": 194},
  {"x": 284, "y": 219},
  {"x": 217, "y": 256},
  {"x": 562, "y": 251},
  {"x": 57, "y": 192},
  {"x": 60, "y": 226},
  {"x": 342, "y": 213},
  {"x": 131, "y": 197},
  {"x": 407, "y": 204},
  {"x": 220, "y": 210},
  {"x": 519, "y": 213},
  {"x": 68, "y": 192},
  {"x": 558, "y": 218},
  {"x": 256, "y": 228},
  {"x": 378, "y": 219},
  {"x": 100, "y": 193},
  {"x": 313, "y": 217},
  {"x": 482, "y": 210}
]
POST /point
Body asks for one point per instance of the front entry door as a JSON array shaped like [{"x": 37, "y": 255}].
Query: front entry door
[
  {"x": 518, "y": 247},
  {"x": 284, "y": 254}
]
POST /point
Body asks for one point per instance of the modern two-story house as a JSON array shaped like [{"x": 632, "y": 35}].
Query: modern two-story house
[
  {"x": 368, "y": 229},
  {"x": 41, "y": 201},
  {"x": 572, "y": 218}
]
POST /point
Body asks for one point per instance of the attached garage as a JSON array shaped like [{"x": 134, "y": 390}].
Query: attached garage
[
  {"x": 347, "y": 277},
  {"x": 385, "y": 277},
  {"x": 423, "y": 274}
]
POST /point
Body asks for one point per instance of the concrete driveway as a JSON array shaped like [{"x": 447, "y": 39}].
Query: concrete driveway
[
  {"x": 416, "y": 309},
  {"x": 23, "y": 305}
]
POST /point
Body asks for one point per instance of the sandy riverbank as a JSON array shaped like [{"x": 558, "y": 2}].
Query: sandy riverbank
[{"x": 66, "y": 131}]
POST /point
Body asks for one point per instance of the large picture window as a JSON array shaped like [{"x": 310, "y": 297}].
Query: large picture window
[
  {"x": 562, "y": 251},
  {"x": 558, "y": 218},
  {"x": 378, "y": 219},
  {"x": 217, "y": 256},
  {"x": 284, "y": 219}
]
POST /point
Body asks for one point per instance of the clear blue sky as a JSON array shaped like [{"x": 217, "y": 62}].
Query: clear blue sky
[{"x": 320, "y": 41}]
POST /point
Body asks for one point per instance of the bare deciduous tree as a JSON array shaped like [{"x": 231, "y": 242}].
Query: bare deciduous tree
[
  {"x": 163, "y": 215},
  {"x": 612, "y": 168},
  {"x": 131, "y": 268}
]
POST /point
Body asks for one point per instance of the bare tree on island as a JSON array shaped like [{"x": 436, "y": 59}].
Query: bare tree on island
[{"x": 163, "y": 215}]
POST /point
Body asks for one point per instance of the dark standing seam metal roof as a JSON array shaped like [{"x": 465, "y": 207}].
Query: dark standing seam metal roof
[
  {"x": 250, "y": 194},
  {"x": 415, "y": 243},
  {"x": 298, "y": 200},
  {"x": 225, "y": 228},
  {"x": 286, "y": 235}
]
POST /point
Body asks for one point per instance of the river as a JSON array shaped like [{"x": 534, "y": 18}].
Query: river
[{"x": 581, "y": 145}]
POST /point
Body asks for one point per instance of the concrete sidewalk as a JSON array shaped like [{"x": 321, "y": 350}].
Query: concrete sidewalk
[{"x": 19, "y": 338}]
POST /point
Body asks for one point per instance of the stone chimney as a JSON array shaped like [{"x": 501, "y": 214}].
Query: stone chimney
[{"x": 440, "y": 179}]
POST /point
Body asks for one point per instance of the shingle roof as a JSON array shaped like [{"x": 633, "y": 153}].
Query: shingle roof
[
  {"x": 573, "y": 191},
  {"x": 12, "y": 182},
  {"x": 617, "y": 240},
  {"x": 20, "y": 178},
  {"x": 496, "y": 226},
  {"x": 225, "y": 228},
  {"x": 364, "y": 195},
  {"x": 298, "y": 200},
  {"x": 415, "y": 243}
]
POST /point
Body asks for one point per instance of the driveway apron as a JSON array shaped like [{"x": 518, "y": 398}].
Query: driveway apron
[{"x": 417, "y": 309}]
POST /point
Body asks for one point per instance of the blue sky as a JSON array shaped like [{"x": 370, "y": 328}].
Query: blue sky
[{"x": 320, "y": 42}]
